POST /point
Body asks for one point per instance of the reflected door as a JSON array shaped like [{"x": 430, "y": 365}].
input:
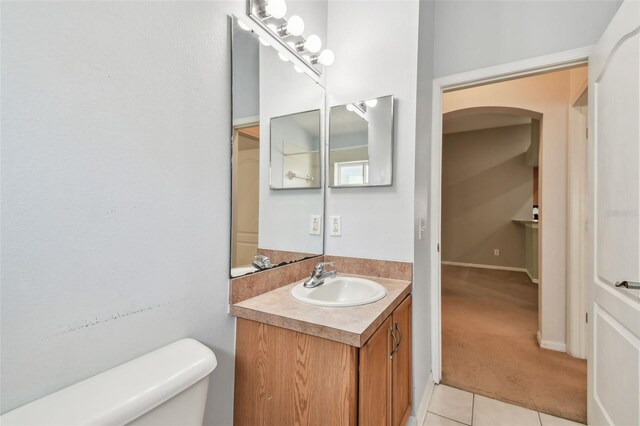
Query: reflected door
[{"x": 246, "y": 196}]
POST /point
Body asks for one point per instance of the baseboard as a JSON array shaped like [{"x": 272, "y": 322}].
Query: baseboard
[
  {"x": 421, "y": 412},
  {"x": 533, "y": 280},
  {"x": 478, "y": 265},
  {"x": 551, "y": 345}
]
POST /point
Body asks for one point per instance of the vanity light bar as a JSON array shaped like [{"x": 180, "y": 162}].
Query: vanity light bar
[
  {"x": 264, "y": 42},
  {"x": 293, "y": 27},
  {"x": 362, "y": 105},
  {"x": 274, "y": 8},
  {"x": 358, "y": 108}
]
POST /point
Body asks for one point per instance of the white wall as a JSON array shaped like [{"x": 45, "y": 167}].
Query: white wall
[
  {"x": 115, "y": 190},
  {"x": 421, "y": 268},
  {"x": 477, "y": 34},
  {"x": 375, "y": 44}
]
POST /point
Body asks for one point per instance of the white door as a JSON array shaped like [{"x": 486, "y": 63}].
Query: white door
[{"x": 614, "y": 160}]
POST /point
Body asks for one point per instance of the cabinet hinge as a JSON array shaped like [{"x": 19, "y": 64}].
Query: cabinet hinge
[
  {"x": 586, "y": 315},
  {"x": 438, "y": 247}
]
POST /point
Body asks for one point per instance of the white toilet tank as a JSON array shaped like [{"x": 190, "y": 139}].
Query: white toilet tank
[{"x": 164, "y": 387}]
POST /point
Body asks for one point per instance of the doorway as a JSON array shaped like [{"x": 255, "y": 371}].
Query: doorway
[{"x": 504, "y": 335}]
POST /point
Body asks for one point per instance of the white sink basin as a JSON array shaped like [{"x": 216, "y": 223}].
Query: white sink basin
[{"x": 340, "y": 291}]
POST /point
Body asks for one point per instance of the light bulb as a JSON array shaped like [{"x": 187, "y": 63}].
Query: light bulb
[
  {"x": 350, "y": 107},
  {"x": 283, "y": 57},
  {"x": 263, "y": 41},
  {"x": 298, "y": 69},
  {"x": 273, "y": 27},
  {"x": 295, "y": 25},
  {"x": 243, "y": 26},
  {"x": 313, "y": 43},
  {"x": 371, "y": 103},
  {"x": 291, "y": 44},
  {"x": 276, "y": 8},
  {"x": 326, "y": 58}
]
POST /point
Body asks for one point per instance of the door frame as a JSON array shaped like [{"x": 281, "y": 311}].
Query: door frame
[
  {"x": 577, "y": 209},
  {"x": 509, "y": 71}
]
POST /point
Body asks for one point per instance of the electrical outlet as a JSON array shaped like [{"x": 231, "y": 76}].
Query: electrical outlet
[
  {"x": 496, "y": 252},
  {"x": 316, "y": 224},
  {"x": 335, "y": 225}
]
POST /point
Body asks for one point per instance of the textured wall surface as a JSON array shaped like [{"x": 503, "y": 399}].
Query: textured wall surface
[
  {"x": 477, "y": 34},
  {"x": 115, "y": 190}
]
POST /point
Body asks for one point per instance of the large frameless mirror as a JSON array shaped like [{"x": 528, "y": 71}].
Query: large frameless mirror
[
  {"x": 361, "y": 143},
  {"x": 272, "y": 102}
]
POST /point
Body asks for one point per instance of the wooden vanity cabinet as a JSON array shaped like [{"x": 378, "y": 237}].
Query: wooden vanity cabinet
[
  {"x": 285, "y": 377},
  {"x": 401, "y": 388},
  {"x": 385, "y": 371},
  {"x": 375, "y": 381}
]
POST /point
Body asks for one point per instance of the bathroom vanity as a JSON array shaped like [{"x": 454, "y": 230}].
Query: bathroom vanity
[
  {"x": 302, "y": 364},
  {"x": 305, "y": 357}
]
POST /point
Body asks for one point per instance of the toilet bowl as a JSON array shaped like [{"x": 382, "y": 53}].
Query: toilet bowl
[{"x": 165, "y": 387}]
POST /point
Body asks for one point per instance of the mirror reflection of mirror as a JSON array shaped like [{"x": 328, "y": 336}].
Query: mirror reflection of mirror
[
  {"x": 271, "y": 228},
  {"x": 295, "y": 150},
  {"x": 361, "y": 143}
]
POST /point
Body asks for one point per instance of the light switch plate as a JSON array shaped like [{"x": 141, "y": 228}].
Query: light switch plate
[
  {"x": 496, "y": 252},
  {"x": 315, "y": 226},
  {"x": 335, "y": 225}
]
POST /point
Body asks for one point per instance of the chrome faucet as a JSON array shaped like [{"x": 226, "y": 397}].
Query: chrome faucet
[
  {"x": 261, "y": 262},
  {"x": 319, "y": 274}
]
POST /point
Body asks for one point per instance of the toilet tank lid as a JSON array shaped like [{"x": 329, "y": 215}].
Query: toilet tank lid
[{"x": 123, "y": 393}]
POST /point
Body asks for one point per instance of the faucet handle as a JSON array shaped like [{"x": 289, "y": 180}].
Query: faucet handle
[
  {"x": 320, "y": 267},
  {"x": 262, "y": 262}
]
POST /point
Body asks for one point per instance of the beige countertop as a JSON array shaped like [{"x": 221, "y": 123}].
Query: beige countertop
[{"x": 351, "y": 325}]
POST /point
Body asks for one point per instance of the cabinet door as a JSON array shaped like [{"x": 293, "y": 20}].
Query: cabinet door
[
  {"x": 284, "y": 378},
  {"x": 375, "y": 378},
  {"x": 401, "y": 377}
]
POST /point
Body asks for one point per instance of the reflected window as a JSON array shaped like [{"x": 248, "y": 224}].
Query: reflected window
[{"x": 352, "y": 173}]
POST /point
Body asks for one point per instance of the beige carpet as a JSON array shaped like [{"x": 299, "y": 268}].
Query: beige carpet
[{"x": 489, "y": 325}]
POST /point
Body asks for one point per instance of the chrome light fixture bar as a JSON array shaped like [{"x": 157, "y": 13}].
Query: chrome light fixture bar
[{"x": 269, "y": 15}]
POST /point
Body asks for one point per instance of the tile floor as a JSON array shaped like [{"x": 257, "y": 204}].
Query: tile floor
[{"x": 454, "y": 407}]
